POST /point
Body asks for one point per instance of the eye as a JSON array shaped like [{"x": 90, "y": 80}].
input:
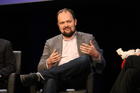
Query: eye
[
  {"x": 69, "y": 21},
  {"x": 61, "y": 23}
]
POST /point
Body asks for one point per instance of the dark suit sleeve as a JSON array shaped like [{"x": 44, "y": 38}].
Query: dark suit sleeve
[{"x": 9, "y": 60}]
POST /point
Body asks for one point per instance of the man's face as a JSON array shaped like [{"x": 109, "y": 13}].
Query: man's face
[{"x": 66, "y": 23}]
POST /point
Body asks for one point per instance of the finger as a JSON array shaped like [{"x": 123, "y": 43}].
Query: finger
[
  {"x": 56, "y": 59},
  {"x": 83, "y": 47},
  {"x": 84, "y": 51},
  {"x": 53, "y": 61},
  {"x": 55, "y": 53},
  {"x": 86, "y": 45},
  {"x": 56, "y": 56},
  {"x": 91, "y": 42}
]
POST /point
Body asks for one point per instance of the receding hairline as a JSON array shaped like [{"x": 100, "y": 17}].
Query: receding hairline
[{"x": 66, "y": 10}]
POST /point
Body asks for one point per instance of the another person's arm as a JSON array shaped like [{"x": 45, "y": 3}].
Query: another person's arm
[{"x": 9, "y": 62}]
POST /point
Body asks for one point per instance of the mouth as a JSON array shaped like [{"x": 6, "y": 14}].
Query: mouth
[{"x": 67, "y": 29}]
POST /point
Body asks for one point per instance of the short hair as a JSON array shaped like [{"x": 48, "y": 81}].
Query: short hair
[{"x": 66, "y": 10}]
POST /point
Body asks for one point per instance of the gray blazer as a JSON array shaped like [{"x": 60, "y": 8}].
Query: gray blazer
[{"x": 56, "y": 43}]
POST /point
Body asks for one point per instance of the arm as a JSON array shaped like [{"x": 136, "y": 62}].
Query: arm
[
  {"x": 95, "y": 52},
  {"x": 49, "y": 58},
  {"x": 9, "y": 60},
  {"x": 99, "y": 61},
  {"x": 46, "y": 53}
]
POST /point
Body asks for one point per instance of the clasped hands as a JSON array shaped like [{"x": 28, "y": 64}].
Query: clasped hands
[{"x": 85, "y": 48}]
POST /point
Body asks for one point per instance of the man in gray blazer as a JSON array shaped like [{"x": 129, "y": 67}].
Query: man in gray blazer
[
  {"x": 7, "y": 62},
  {"x": 67, "y": 58}
]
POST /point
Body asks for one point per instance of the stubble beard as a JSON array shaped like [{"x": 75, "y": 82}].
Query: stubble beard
[{"x": 68, "y": 34}]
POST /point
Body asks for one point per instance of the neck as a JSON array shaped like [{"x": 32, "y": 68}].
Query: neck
[{"x": 69, "y": 38}]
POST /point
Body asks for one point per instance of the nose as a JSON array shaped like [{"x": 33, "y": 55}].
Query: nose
[{"x": 66, "y": 24}]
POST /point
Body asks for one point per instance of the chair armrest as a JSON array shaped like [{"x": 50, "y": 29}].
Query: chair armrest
[
  {"x": 11, "y": 83},
  {"x": 36, "y": 89},
  {"x": 3, "y": 90}
]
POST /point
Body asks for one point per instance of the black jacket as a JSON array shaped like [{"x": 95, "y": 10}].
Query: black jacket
[{"x": 7, "y": 61}]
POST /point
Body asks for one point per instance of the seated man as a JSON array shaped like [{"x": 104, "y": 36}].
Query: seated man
[
  {"x": 128, "y": 80},
  {"x": 67, "y": 58},
  {"x": 7, "y": 62}
]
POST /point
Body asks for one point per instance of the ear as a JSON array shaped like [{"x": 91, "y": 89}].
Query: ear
[{"x": 75, "y": 21}]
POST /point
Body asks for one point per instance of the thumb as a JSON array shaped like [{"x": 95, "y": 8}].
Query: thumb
[
  {"x": 54, "y": 50},
  {"x": 91, "y": 43}
]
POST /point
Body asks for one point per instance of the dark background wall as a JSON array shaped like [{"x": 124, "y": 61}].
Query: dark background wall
[{"x": 114, "y": 24}]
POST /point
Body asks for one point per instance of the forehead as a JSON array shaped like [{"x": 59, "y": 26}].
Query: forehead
[{"x": 65, "y": 15}]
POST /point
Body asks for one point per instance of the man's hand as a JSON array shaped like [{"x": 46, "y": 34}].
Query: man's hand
[
  {"x": 89, "y": 49},
  {"x": 54, "y": 57}
]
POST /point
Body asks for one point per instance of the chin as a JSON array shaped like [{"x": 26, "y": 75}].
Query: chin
[{"x": 68, "y": 31}]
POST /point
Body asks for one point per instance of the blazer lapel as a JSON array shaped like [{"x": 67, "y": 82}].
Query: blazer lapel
[
  {"x": 59, "y": 44},
  {"x": 79, "y": 42}
]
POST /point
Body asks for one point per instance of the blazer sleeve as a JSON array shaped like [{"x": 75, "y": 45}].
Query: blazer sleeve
[
  {"x": 98, "y": 65},
  {"x": 46, "y": 53}
]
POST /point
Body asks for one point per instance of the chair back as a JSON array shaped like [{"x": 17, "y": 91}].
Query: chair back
[{"x": 18, "y": 60}]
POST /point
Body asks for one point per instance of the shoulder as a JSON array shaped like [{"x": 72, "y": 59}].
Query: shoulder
[
  {"x": 54, "y": 39},
  {"x": 85, "y": 35},
  {"x": 4, "y": 42}
]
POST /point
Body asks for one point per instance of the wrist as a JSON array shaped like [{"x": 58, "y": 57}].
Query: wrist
[
  {"x": 95, "y": 54},
  {"x": 48, "y": 62}
]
